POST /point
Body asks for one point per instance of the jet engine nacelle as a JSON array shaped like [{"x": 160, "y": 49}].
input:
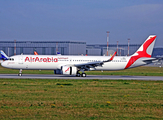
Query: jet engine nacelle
[{"x": 68, "y": 70}]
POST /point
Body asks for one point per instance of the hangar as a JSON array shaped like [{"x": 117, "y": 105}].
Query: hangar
[
  {"x": 43, "y": 47},
  {"x": 66, "y": 48}
]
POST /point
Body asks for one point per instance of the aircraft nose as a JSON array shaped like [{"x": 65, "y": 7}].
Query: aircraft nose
[{"x": 4, "y": 64}]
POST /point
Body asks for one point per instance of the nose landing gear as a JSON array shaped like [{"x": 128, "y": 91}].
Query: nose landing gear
[{"x": 20, "y": 72}]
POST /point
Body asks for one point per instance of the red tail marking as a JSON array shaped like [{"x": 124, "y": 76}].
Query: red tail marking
[
  {"x": 35, "y": 53},
  {"x": 141, "y": 53}
]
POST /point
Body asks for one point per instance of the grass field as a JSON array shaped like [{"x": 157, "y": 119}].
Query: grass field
[
  {"x": 80, "y": 99},
  {"x": 139, "y": 71}
]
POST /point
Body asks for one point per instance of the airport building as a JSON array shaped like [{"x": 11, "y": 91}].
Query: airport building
[
  {"x": 101, "y": 49},
  {"x": 42, "y": 47},
  {"x": 68, "y": 48}
]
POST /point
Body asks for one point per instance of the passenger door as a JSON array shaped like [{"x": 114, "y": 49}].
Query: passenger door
[{"x": 21, "y": 60}]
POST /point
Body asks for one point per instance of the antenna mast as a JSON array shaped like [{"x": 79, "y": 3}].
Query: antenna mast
[{"x": 107, "y": 41}]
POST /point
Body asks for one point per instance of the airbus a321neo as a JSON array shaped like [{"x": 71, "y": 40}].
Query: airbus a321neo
[{"x": 71, "y": 65}]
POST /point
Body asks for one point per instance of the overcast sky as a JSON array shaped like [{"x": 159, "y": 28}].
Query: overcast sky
[{"x": 82, "y": 20}]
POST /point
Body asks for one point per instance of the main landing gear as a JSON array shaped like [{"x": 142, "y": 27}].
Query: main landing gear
[
  {"x": 81, "y": 75},
  {"x": 20, "y": 72}
]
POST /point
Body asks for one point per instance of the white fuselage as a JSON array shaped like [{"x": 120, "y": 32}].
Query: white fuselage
[{"x": 52, "y": 62}]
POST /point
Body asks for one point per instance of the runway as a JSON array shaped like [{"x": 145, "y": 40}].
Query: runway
[{"x": 100, "y": 77}]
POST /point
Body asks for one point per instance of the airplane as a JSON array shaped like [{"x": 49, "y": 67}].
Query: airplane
[
  {"x": 58, "y": 53},
  {"x": 71, "y": 65},
  {"x": 3, "y": 56},
  {"x": 35, "y": 53}
]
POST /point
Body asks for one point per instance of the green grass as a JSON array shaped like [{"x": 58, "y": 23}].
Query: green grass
[
  {"x": 139, "y": 71},
  {"x": 80, "y": 99}
]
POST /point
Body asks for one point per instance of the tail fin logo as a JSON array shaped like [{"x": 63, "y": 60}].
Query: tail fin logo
[
  {"x": 142, "y": 52},
  {"x": 4, "y": 56},
  {"x": 145, "y": 47},
  {"x": 35, "y": 53}
]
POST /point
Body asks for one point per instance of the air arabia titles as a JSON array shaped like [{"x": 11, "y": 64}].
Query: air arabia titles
[{"x": 37, "y": 59}]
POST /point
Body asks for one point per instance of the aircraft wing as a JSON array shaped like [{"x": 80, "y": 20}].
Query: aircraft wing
[{"x": 87, "y": 66}]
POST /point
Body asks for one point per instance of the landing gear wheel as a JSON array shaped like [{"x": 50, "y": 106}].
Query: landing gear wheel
[
  {"x": 83, "y": 75},
  {"x": 20, "y": 74},
  {"x": 78, "y": 75}
]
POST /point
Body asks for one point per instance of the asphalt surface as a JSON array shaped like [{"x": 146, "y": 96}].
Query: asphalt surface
[{"x": 101, "y": 77}]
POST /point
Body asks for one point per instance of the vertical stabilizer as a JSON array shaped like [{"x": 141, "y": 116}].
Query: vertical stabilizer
[
  {"x": 4, "y": 56},
  {"x": 146, "y": 48},
  {"x": 35, "y": 53},
  {"x": 145, "y": 51}
]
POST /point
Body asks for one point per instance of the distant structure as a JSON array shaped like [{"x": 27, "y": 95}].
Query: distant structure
[
  {"x": 14, "y": 47},
  {"x": 43, "y": 47},
  {"x": 70, "y": 48},
  {"x": 107, "y": 41},
  {"x": 158, "y": 52},
  {"x": 101, "y": 49},
  {"x": 128, "y": 47},
  {"x": 117, "y": 48},
  {"x": 56, "y": 48}
]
